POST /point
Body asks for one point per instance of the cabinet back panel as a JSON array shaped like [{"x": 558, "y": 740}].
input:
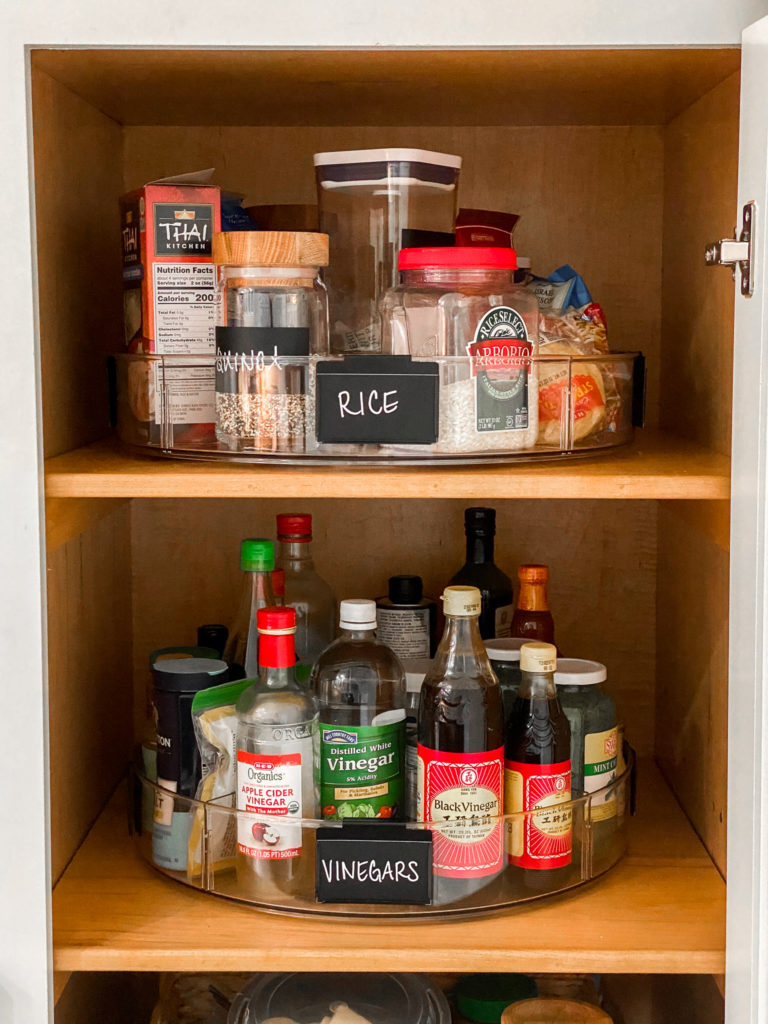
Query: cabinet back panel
[
  {"x": 77, "y": 170},
  {"x": 601, "y": 554},
  {"x": 590, "y": 196},
  {"x": 89, "y": 677}
]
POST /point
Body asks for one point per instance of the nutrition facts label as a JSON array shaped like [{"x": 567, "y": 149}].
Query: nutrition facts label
[{"x": 184, "y": 308}]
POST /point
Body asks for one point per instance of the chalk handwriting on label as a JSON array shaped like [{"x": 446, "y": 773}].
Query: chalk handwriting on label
[
  {"x": 371, "y": 871},
  {"x": 370, "y": 402}
]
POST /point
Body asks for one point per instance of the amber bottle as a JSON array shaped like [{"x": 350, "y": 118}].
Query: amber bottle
[{"x": 532, "y": 619}]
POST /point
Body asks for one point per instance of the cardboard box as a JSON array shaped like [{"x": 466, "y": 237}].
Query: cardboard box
[{"x": 169, "y": 281}]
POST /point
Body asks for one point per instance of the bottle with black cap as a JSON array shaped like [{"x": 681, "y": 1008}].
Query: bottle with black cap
[
  {"x": 480, "y": 571},
  {"x": 406, "y": 620}
]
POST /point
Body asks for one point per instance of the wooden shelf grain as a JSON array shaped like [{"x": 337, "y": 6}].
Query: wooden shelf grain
[
  {"x": 655, "y": 466},
  {"x": 661, "y": 910}
]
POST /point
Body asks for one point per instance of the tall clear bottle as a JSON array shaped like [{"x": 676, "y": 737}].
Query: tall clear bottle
[
  {"x": 257, "y": 560},
  {"x": 360, "y": 688},
  {"x": 461, "y": 754},
  {"x": 480, "y": 570},
  {"x": 277, "y": 763},
  {"x": 305, "y": 590}
]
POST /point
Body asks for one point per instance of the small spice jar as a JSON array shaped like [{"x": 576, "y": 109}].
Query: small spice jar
[
  {"x": 272, "y": 316},
  {"x": 504, "y": 654},
  {"x": 461, "y": 306},
  {"x": 591, "y": 715}
]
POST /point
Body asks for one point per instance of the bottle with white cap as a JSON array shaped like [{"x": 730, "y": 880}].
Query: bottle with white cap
[
  {"x": 359, "y": 684},
  {"x": 461, "y": 754},
  {"x": 537, "y": 772}
]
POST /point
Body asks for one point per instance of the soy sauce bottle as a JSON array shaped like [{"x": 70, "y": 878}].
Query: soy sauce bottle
[
  {"x": 460, "y": 754},
  {"x": 537, "y": 773},
  {"x": 480, "y": 570}
]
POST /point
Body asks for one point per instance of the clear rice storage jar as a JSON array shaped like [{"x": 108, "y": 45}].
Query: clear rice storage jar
[
  {"x": 340, "y": 999},
  {"x": 460, "y": 306},
  {"x": 373, "y": 202},
  {"x": 272, "y": 316}
]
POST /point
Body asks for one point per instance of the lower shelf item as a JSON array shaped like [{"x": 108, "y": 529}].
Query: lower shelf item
[{"x": 378, "y": 868}]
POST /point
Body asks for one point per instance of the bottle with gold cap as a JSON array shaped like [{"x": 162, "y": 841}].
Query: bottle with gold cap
[
  {"x": 460, "y": 754},
  {"x": 532, "y": 618},
  {"x": 537, "y": 772}
]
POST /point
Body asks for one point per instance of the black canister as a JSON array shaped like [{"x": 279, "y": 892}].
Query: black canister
[{"x": 176, "y": 681}]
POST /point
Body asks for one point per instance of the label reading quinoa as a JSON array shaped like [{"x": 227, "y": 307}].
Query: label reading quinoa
[
  {"x": 500, "y": 355},
  {"x": 541, "y": 840},
  {"x": 600, "y": 763},
  {"x": 269, "y": 789},
  {"x": 362, "y": 770},
  {"x": 464, "y": 791}
]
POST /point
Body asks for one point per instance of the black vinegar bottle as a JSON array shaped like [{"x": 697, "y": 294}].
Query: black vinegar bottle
[
  {"x": 480, "y": 571},
  {"x": 460, "y": 755},
  {"x": 537, "y": 775}
]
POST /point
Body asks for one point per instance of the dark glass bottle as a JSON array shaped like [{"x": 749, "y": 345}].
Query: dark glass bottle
[
  {"x": 533, "y": 619},
  {"x": 460, "y": 754},
  {"x": 406, "y": 620},
  {"x": 537, "y": 773},
  {"x": 480, "y": 571}
]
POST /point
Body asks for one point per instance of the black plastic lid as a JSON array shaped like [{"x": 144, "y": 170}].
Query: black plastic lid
[
  {"x": 213, "y": 635},
  {"x": 188, "y": 675},
  {"x": 405, "y": 589},
  {"x": 480, "y": 520}
]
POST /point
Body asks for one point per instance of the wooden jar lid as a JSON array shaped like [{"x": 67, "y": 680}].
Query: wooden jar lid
[
  {"x": 554, "y": 1011},
  {"x": 270, "y": 248}
]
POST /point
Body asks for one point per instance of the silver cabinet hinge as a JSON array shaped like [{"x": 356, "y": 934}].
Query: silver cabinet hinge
[{"x": 737, "y": 251}]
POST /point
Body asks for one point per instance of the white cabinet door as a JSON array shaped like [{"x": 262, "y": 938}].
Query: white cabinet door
[{"x": 747, "y": 932}]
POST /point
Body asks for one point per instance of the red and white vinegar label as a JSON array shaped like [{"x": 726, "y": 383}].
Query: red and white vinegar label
[
  {"x": 541, "y": 840},
  {"x": 269, "y": 792},
  {"x": 465, "y": 792}
]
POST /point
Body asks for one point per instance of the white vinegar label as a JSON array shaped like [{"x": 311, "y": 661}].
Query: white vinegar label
[
  {"x": 269, "y": 791},
  {"x": 185, "y": 308},
  {"x": 405, "y": 630}
]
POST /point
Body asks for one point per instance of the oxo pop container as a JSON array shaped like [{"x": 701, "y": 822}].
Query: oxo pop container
[
  {"x": 373, "y": 203},
  {"x": 341, "y": 999}
]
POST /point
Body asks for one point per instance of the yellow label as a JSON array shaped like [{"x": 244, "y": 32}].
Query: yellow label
[
  {"x": 361, "y": 792},
  {"x": 513, "y": 801},
  {"x": 600, "y": 766}
]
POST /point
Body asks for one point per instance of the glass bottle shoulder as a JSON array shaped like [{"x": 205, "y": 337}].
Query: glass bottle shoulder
[{"x": 261, "y": 705}]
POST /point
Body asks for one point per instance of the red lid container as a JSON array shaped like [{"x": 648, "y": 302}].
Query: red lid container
[
  {"x": 458, "y": 257},
  {"x": 296, "y": 527},
  {"x": 276, "y": 620}
]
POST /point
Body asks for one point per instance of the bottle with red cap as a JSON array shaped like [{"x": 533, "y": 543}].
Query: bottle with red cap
[
  {"x": 277, "y": 757},
  {"x": 305, "y": 590}
]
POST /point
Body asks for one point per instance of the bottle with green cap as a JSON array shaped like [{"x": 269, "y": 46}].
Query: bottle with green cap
[
  {"x": 257, "y": 560},
  {"x": 483, "y": 998}
]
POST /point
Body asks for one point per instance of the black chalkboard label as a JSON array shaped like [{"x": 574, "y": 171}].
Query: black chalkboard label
[
  {"x": 376, "y": 862},
  {"x": 377, "y": 400}
]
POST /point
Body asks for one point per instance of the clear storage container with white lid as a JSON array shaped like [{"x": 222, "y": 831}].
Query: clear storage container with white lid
[
  {"x": 341, "y": 999},
  {"x": 373, "y": 203}
]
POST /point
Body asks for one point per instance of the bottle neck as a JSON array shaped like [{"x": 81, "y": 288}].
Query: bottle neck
[
  {"x": 462, "y": 646},
  {"x": 277, "y": 656},
  {"x": 537, "y": 686},
  {"x": 259, "y": 587},
  {"x": 533, "y": 597},
  {"x": 479, "y": 548},
  {"x": 277, "y": 678},
  {"x": 297, "y": 553},
  {"x": 358, "y": 633}
]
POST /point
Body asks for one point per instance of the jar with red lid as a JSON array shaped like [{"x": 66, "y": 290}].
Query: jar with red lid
[{"x": 460, "y": 307}]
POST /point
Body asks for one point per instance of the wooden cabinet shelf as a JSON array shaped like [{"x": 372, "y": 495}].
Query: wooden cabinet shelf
[
  {"x": 656, "y": 465},
  {"x": 662, "y": 910}
]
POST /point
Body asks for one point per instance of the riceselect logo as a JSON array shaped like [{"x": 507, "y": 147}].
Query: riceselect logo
[
  {"x": 183, "y": 230},
  {"x": 500, "y": 347}
]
